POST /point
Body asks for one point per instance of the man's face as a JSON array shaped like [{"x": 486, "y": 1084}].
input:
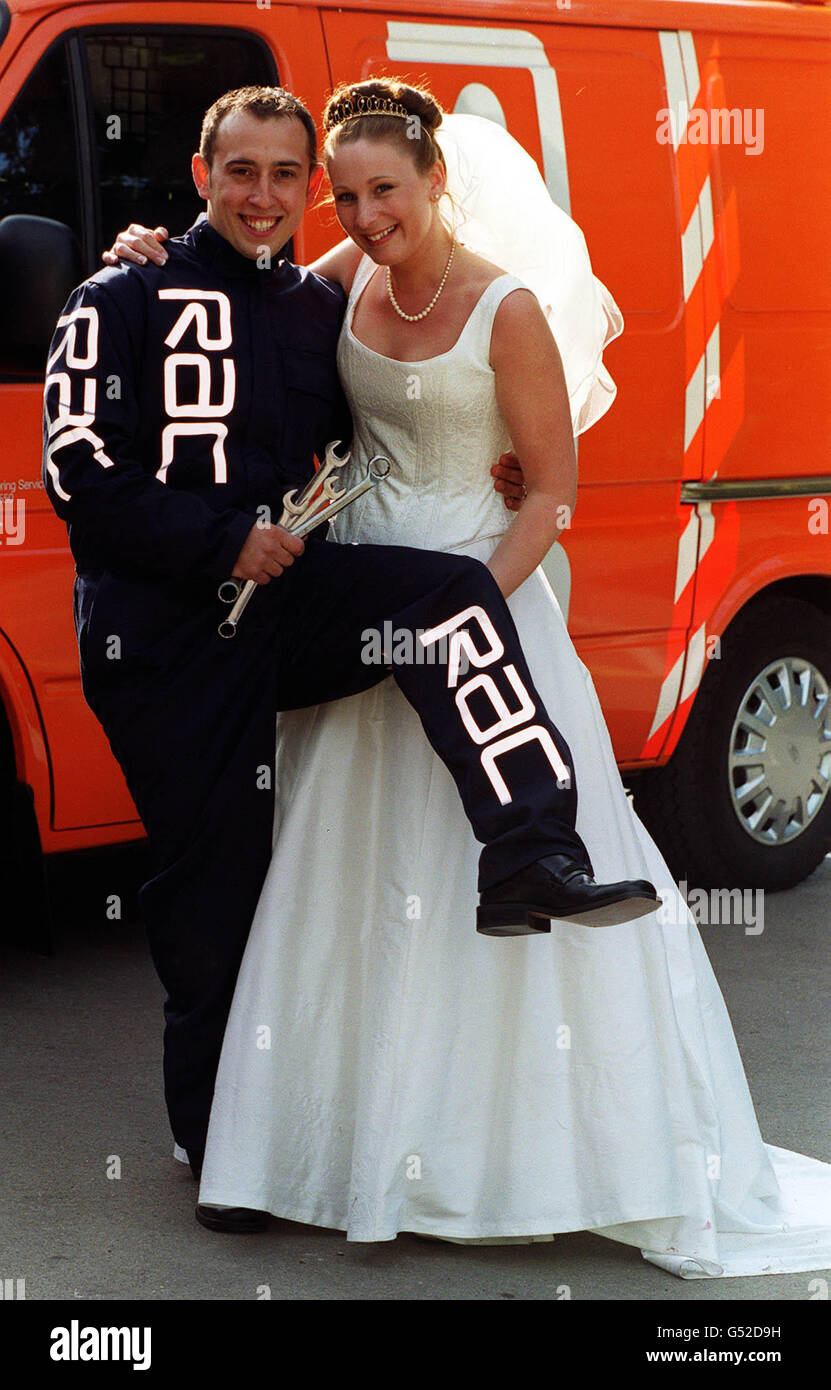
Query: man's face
[{"x": 258, "y": 185}]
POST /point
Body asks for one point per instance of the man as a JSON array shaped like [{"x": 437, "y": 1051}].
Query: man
[{"x": 181, "y": 403}]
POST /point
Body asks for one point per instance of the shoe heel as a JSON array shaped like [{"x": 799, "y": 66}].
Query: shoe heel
[{"x": 506, "y": 919}]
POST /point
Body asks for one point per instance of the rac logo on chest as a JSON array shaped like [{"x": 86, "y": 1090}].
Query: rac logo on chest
[{"x": 203, "y": 414}]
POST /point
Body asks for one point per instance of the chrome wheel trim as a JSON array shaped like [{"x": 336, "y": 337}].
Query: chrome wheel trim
[{"x": 779, "y": 760}]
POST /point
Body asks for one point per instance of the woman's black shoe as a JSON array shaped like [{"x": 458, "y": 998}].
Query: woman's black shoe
[
  {"x": 559, "y": 887},
  {"x": 241, "y": 1221}
]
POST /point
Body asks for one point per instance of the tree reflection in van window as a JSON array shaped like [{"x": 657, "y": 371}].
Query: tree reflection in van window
[
  {"x": 149, "y": 94},
  {"x": 38, "y": 159}
]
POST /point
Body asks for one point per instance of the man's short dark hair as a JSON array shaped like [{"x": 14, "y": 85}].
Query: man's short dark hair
[{"x": 262, "y": 102}]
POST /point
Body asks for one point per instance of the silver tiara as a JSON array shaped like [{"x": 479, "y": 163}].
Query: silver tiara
[{"x": 363, "y": 106}]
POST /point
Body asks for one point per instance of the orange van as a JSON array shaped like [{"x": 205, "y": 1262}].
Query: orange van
[{"x": 690, "y": 142}]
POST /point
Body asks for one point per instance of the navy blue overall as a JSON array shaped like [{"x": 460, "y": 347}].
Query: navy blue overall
[{"x": 179, "y": 400}]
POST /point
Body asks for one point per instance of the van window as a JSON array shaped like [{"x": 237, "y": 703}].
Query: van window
[
  {"x": 38, "y": 159},
  {"x": 102, "y": 131},
  {"x": 149, "y": 92}
]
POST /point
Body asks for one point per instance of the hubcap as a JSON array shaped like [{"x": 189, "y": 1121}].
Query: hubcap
[{"x": 780, "y": 751}]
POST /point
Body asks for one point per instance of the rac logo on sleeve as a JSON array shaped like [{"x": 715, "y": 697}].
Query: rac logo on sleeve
[{"x": 77, "y": 349}]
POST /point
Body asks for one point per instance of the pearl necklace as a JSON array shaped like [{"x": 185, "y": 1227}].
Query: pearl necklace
[{"x": 414, "y": 318}]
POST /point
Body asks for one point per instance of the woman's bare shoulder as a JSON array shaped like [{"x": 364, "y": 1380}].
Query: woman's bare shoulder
[
  {"x": 480, "y": 272},
  {"x": 520, "y": 331}
]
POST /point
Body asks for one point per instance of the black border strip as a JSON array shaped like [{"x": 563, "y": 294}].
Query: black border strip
[
  {"x": 755, "y": 489},
  {"x": 82, "y": 116}
]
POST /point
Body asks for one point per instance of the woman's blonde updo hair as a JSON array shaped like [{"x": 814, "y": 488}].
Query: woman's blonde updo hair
[{"x": 384, "y": 108}]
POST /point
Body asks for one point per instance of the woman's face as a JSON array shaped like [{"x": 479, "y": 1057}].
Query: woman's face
[{"x": 382, "y": 201}]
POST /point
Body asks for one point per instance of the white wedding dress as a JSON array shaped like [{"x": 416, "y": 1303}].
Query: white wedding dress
[{"x": 385, "y": 1067}]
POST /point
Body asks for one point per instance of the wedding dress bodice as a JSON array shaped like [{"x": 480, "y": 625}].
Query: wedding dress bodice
[{"x": 438, "y": 422}]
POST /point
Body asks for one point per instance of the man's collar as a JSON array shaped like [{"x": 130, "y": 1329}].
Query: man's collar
[{"x": 220, "y": 256}]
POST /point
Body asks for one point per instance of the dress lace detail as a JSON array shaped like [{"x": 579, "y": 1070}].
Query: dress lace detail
[{"x": 438, "y": 422}]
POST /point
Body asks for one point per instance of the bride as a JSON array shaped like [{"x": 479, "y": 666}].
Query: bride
[{"x": 386, "y": 1069}]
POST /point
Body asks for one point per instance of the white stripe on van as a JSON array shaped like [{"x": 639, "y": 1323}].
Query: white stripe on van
[
  {"x": 668, "y": 697},
  {"x": 705, "y": 208},
  {"x": 692, "y": 252},
  {"x": 712, "y": 359},
  {"x": 708, "y": 526},
  {"x": 695, "y": 663},
  {"x": 681, "y": 77},
  {"x": 674, "y": 78},
  {"x": 682, "y": 81},
  {"x": 693, "y": 544},
  {"x": 478, "y": 47},
  {"x": 703, "y": 386},
  {"x": 689, "y": 62},
  {"x": 694, "y": 401},
  {"x": 697, "y": 238},
  {"x": 687, "y": 554},
  {"x": 691, "y": 663}
]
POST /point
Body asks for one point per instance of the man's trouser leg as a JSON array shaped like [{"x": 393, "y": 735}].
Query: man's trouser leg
[
  {"x": 191, "y": 719},
  {"x": 468, "y": 681}
]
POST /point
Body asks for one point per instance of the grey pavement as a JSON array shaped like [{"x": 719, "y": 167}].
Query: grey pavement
[{"x": 82, "y": 1095}]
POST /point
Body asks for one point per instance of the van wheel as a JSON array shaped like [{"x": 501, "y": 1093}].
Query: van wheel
[{"x": 745, "y": 800}]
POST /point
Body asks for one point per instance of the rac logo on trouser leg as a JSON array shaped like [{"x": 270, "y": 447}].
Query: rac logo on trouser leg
[{"x": 495, "y": 736}]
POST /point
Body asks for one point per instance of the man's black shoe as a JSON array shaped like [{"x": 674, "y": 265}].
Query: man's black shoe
[
  {"x": 558, "y": 886},
  {"x": 241, "y": 1221}
]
